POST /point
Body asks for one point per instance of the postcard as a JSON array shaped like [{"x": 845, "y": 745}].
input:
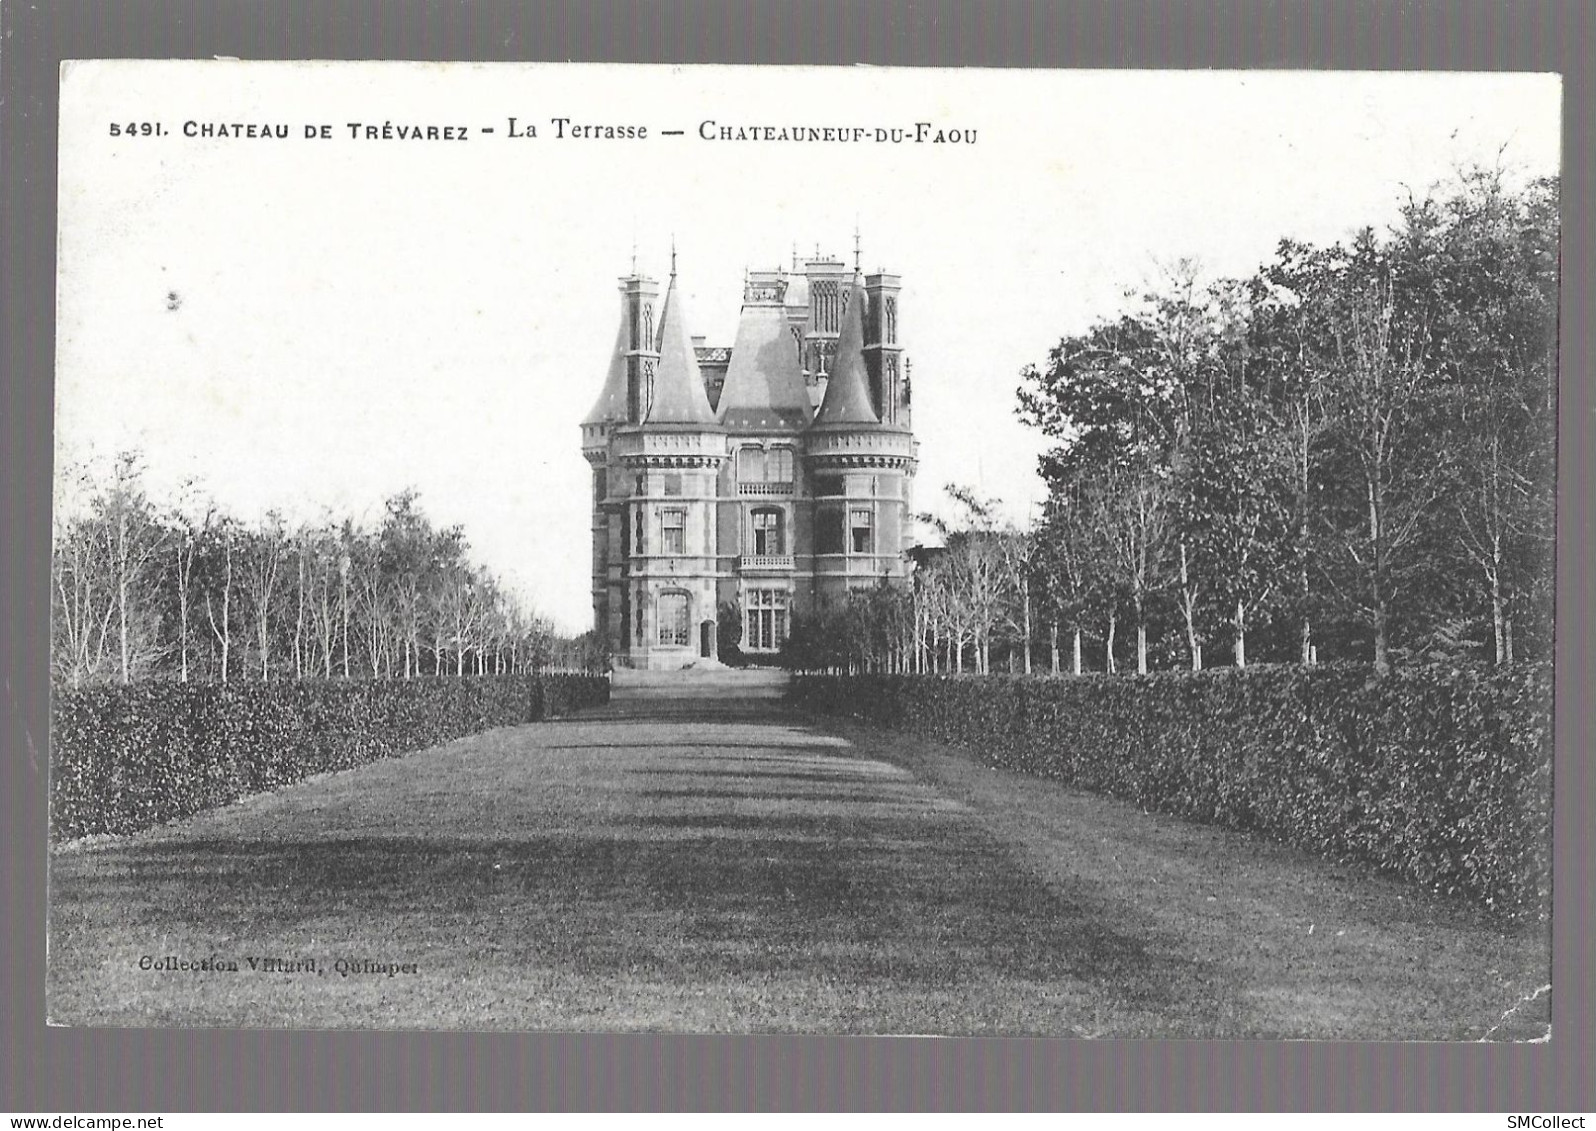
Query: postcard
[{"x": 804, "y": 549}]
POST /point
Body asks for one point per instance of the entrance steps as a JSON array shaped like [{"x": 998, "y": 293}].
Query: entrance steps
[{"x": 699, "y": 683}]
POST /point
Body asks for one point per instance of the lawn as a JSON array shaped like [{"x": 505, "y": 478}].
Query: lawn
[{"x": 660, "y": 867}]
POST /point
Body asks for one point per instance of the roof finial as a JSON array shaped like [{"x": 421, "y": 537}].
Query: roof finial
[
  {"x": 856, "y": 245},
  {"x": 673, "y": 255},
  {"x": 634, "y": 252},
  {"x": 795, "y": 255}
]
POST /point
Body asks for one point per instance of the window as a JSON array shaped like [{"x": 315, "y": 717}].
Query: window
[
  {"x": 828, "y": 532},
  {"x": 750, "y": 465},
  {"x": 673, "y": 484},
  {"x": 673, "y": 531},
  {"x": 767, "y": 532},
  {"x": 765, "y": 617},
  {"x": 859, "y": 530},
  {"x": 825, "y": 307},
  {"x": 761, "y": 472},
  {"x": 673, "y": 620}
]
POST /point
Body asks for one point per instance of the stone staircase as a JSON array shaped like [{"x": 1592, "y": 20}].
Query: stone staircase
[{"x": 713, "y": 683}]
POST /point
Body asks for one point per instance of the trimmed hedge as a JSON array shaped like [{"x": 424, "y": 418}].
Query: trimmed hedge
[
  {"x": 1440, "y": 776},
  {"x": 124, "y": 758}
]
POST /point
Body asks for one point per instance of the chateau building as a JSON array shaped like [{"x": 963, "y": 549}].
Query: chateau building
[{"x": 761, "y": 481}]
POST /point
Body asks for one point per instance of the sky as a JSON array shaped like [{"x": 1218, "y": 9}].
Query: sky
[{"x": 311, "y": 324}]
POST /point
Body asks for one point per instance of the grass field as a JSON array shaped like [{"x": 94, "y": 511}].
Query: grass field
[{"x": 662, "y": 867}]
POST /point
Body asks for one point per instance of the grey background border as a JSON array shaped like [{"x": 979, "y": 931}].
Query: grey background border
[{"x": 59, "y": 1071}]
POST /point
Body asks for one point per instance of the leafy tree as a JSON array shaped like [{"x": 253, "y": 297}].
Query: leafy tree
[
  {"x": 1502, "y": 342},
  {"x": 1356, "y": 441},
  {"x": 1108, "y": 400},
  {"x": 729, "y": 632}
]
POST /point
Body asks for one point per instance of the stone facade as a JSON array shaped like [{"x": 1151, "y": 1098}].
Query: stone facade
[{"x": 771, "y": 477}]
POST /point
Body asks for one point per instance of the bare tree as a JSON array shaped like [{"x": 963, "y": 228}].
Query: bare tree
[
  {"x": 84, "y": 605},
  {"x": 263, "y": 559},
  {"x": 134, "y": 542},
  {"x": 1136, "y": 508},
  {"x": 191, "y": 526},
  {"x": 224, "y": 538},
  {"x": 1017, "y": 557}
]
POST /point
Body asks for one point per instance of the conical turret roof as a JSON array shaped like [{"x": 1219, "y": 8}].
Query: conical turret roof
[
  {"x": 848, "y": 391},
  {"x": 610, "y": 408},
  {"x": 679, "y": 396},
  {"x": 764, "y": 382}
]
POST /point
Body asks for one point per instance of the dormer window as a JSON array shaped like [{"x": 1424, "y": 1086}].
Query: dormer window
[
  {"x": 761, "y": 472},
  {"x": 751, "y": 465}
]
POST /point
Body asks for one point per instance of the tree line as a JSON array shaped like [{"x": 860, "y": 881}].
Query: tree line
[
  {"x": 184, "y": 591},
  {"x": 1347, "y": 455}
]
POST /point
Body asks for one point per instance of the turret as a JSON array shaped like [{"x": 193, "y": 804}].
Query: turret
[
  {"x": 860, "y": 468},
  {"x": 883, "y": 355},
  {"x": 621, "y": 403},
  {"x": 826, "y": 283},
  {"x": 670, "y": 465},
  {"x": 677, "y": 393},
  {"x": 848, "y": 401}
]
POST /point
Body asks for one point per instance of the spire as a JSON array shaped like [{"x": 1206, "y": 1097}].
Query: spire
[
  {"x": 610, "y": 408},
  {"x": 764, "y": 382},
  {"x": 848, "y": 392},
  {"x": 679, "y": 396}
]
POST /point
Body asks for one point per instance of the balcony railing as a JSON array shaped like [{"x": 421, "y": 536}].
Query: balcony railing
[
  {"x": 764, "y": 562},
  {"x": 764, "y": 488}
]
